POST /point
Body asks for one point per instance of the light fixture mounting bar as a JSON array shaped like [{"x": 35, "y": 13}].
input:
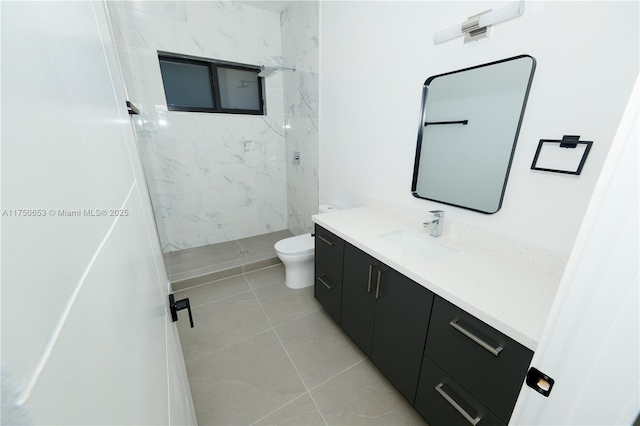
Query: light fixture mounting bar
[{"x": 472, "y": 29}]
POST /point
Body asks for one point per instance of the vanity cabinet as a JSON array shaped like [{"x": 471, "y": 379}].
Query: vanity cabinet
[
  {"x": 329, "y": 250},
  {"x": 387, "y": 315},
  {"x": 453, "y": 367}
]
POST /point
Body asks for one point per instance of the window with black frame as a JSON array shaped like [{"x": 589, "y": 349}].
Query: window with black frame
[{"x": 201, "y": 85}]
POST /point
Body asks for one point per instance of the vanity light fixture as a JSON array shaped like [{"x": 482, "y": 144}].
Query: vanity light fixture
[{"x": 477, "y": 26}]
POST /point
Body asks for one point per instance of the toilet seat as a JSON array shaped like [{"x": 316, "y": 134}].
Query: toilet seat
[{"x": 296, "y": 246}]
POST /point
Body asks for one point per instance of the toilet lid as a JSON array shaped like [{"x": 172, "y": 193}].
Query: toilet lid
[{"x": 301, "y": 244}]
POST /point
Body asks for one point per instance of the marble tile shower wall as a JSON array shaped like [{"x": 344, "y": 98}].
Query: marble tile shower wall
[
  {"x": 212, "y": 177},
  {"x": 300, "y": 48}
]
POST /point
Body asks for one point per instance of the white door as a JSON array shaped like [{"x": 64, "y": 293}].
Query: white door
[
  {"x": 86, "y": 334},
  {"x": 591, "y": 343}
]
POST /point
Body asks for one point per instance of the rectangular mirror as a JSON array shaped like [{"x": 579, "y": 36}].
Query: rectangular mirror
[{"x": 468, "y": 131}]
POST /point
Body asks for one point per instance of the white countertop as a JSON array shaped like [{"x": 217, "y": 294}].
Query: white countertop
[{"x": 507, "y": 283}]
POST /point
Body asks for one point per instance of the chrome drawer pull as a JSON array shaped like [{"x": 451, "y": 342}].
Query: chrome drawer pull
[
  {"x": 470, "y": 335},
  {"x": 455, "y": 405},
  {"x": 324, "y": 239},
  {"x": 370, "y": 276},
  {"x": 378, "y": 285},
  {"x": 326, "y": 284}
]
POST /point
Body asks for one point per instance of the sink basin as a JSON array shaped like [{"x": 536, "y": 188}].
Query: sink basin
[{"x": 417, "y": 245}]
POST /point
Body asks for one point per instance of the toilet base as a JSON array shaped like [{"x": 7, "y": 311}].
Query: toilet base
[{"x": 300, "y": 275}]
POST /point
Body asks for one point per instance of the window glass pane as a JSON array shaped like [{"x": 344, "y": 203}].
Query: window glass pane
[
  {"x": 186, "y": 84},
  {"x": 239, "y": 89}
]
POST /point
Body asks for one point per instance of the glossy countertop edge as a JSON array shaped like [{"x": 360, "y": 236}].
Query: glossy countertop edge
[{"x": 506, "y": 289}]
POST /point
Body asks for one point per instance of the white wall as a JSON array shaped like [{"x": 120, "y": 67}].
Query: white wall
[
  {"x": 86, "y": 335},
  {"x": 212, "y": 177},
  {"x": 375, "y": 57}
]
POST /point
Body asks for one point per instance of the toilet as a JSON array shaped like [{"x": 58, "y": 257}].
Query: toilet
[{"x": 297, "y": 253}]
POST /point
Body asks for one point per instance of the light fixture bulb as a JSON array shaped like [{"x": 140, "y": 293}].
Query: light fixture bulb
[
  {"x": 505, "y": 13},
  {"x": 447, "y": 34}
]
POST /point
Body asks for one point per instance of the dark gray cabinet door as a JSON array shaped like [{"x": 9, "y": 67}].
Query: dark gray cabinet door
[
  {"x": 387, "y": 315},
  {"x": 358, "y": 297},
  {"x": 402, "y": 316}
]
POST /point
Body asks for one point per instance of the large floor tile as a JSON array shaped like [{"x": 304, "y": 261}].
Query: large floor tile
[
  {"x": 363, "y": 396},
  {"x": 222, "y": 323},
  {"x": 210, "y": 292},
  {"x": 265, "y": 277},
  {"x": 243, "y": 383},
  {"x": 301, "y": 412},
  {"x": 318, "y": 347},
  {"x": 282, "y": 304}
]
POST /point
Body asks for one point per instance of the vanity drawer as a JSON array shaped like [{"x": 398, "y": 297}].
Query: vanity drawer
[
  {"x": 485, "y": 362},
  {"x": 443, "y": 402},
  {"x": 328, "y": 292},
  {"x": 329, "y": 252}
]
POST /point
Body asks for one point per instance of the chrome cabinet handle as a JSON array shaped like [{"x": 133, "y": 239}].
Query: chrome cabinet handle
[
  {"x": 378, "y": 285},
  {"x": 325, "y": 240},
  {"x": 370, "y": 276},
  {"x": 470, "y": 335},
  {"x": 454, "y": 404},
  {"x": 326, "y": 284}
]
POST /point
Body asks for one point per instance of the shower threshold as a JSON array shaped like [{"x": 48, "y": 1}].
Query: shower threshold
[{"x": 194, "y": 266}]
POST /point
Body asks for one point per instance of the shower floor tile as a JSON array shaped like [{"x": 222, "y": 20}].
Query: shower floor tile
[
  {"x": 264, "y": 354},
  {"x": 199, "y": 265}
]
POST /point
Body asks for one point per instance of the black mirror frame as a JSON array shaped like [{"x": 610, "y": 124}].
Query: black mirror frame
[{"x": 422, "y": 124}]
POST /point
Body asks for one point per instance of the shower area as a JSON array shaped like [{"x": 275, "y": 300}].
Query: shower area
[{"x": 224, "y": 187}]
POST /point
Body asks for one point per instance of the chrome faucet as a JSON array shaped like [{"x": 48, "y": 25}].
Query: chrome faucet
[{"x": 435, "y": 225}]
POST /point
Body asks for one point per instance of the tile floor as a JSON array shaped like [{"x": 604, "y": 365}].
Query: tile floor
[
  {"x": 263, "y": 354},
  {"x": 199, "y": 265}
]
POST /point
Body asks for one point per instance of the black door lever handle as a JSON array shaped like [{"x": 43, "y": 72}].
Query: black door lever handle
[{"x": 178, "y": 306}]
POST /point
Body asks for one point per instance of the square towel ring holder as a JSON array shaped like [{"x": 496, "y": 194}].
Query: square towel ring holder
[{"x": 549, "y": 159}]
